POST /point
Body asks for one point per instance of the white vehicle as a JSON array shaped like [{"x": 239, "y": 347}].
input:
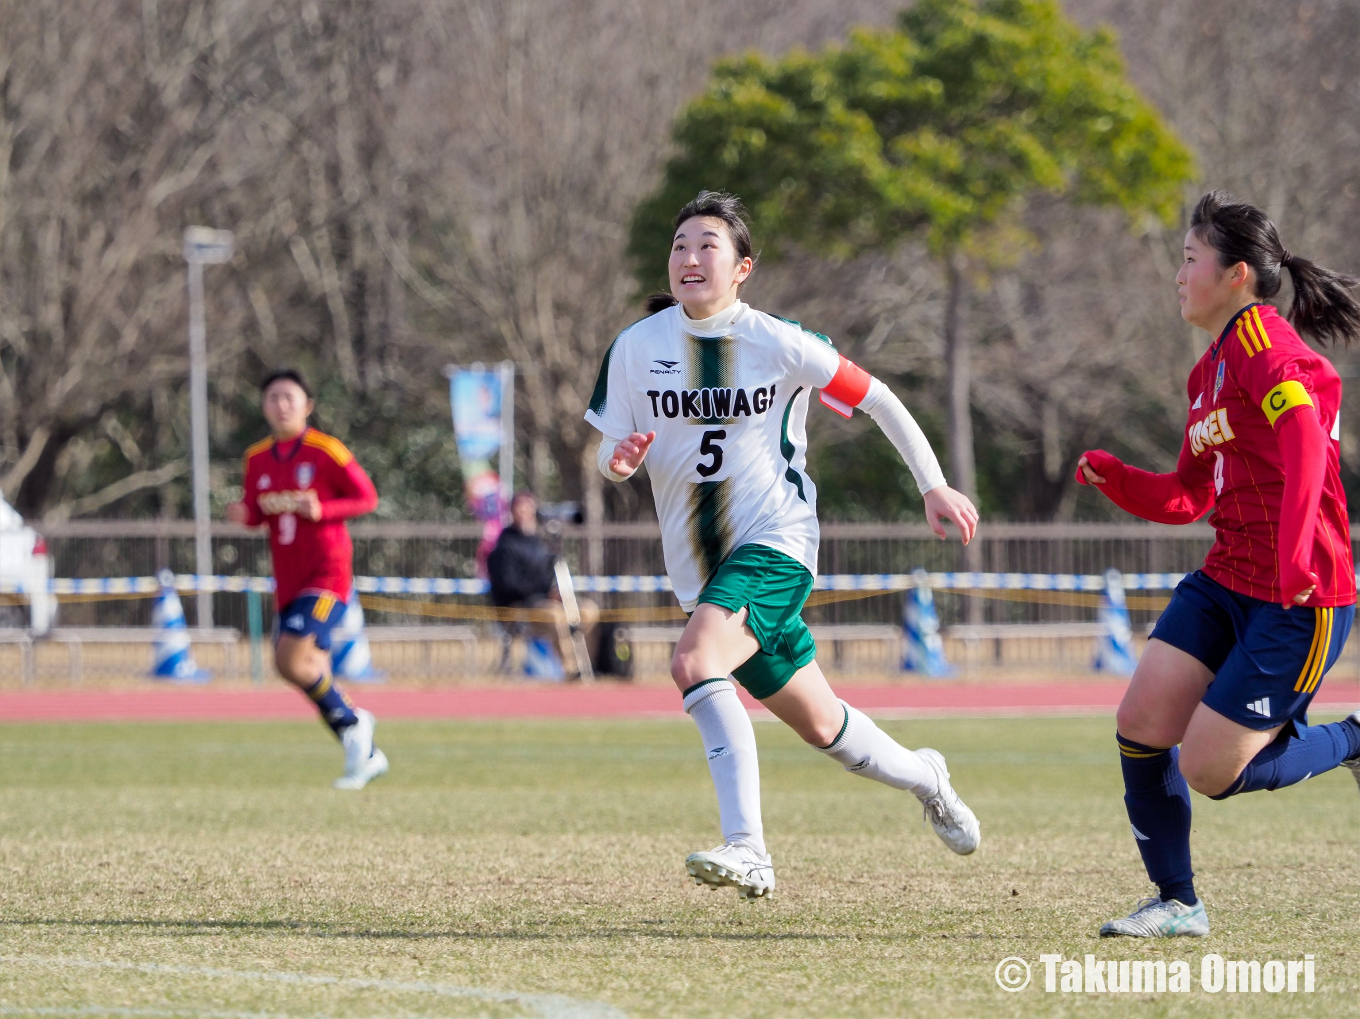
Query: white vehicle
[{"x": 24, "y": 568}]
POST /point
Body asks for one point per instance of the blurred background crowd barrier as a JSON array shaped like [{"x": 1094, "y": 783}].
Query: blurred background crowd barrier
[{"x": 432, "y": 640}]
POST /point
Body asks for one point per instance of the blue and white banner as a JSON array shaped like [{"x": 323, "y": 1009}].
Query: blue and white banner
[{"x": 476, "y": 400}]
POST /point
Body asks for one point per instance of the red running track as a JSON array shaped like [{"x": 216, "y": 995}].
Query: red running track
[{"x": 906, "y": 700}]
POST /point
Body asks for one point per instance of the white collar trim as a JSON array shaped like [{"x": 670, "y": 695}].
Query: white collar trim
[{"x": 715, "y": 324}]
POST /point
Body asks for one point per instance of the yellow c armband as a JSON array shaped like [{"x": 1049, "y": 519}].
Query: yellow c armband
[{"x": 1287, "y": 394}]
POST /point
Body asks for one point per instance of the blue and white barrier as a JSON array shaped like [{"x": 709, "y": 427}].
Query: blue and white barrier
[
  {"x": 920, "y": 624},
  {"x": 350, "y": 655},
  {"x": 1114, "y": 648},
  {"x": 541, "y": 660},
  {"x": 172, "y": 658},
  {"x": 186, "y": 582}
]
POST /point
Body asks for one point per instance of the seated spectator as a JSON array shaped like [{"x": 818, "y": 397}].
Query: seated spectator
[{"x": 520, "y": 569}]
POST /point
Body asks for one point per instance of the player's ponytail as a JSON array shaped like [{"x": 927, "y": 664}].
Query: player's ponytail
[
  {"x": 1323, "y": 303},
  {"x": 659, "y": 301},
  {"x": 1323, "y": 307}
]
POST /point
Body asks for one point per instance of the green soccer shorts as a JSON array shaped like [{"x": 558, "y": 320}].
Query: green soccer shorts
[{"x": 772, "y": 587}]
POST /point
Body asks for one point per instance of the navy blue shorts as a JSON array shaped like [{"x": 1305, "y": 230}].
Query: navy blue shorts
[
  {"x": 1267, "y": 661},
  {"x": 315, "y": 614}
]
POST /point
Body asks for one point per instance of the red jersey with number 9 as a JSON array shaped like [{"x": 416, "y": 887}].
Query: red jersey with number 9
[
  {"x": 309, "y": 555},
  {"x": 1251, "y": 378}
]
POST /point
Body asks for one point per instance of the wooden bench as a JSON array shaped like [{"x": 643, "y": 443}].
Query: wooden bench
[
  {"x": 975, "y": 632},
  {"x": 427, "y": 637},
  {"x": 75, "y": 639},
  {"x": 25, "y": 643}
]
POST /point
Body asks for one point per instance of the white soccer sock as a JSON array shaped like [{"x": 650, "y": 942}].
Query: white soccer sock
[
  {"x": 730, "y": 743},
  {"x": 867, "y": 750}
]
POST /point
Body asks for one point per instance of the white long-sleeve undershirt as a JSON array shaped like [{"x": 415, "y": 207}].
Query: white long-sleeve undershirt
[
  {"x": 606, "y": 453},
  {"x": 904, "y": 433}
]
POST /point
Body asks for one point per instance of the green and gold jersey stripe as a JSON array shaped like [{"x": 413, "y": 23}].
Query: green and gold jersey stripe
[
  {"x": 711, "y": 363},
  {"x": 600, "y": 396},
  {"x": 786, "y": 447},
  {"x": 710, "y": 526}
]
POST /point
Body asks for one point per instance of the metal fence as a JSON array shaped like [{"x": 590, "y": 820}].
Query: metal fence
[{"x": 141, "y": 548}]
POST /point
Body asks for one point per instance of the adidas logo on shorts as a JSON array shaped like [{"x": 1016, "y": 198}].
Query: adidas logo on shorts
[{"x": 1261, "y": 707}]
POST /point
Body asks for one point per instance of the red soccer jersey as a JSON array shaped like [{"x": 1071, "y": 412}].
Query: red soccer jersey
[
  {"x": 308, "y": 555},
  {"x": 1243, "y": 390}
]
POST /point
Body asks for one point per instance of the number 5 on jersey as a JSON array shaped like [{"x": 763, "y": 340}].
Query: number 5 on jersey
[{"x": 709, "y": 447}]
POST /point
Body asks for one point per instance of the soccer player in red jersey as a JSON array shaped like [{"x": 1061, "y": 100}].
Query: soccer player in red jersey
[
  {"x": 304, "y": 485},
  {"x": 1237, "y": 656}
]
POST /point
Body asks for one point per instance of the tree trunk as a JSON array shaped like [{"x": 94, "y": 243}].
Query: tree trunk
[
  {"x": 958, "y": 372},
  {"x": 592, "y": 491}
]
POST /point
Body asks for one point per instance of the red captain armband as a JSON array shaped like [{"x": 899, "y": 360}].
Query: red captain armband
[{"x": 847, "y": 387}]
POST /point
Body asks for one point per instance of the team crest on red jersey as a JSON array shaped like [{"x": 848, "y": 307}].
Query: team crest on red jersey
[
  {"x": 305, "y": 474},
  {"x": 1218, "y": 379}
]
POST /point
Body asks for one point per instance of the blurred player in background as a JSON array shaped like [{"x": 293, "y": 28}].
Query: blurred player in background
[
  {"x": 304, "y": 485},
  {"x": 714, "y": 395},
  {"x": 1237, "y": 656}
]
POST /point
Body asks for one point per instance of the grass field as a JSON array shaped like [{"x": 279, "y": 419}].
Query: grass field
[{"x": 535, "y": 868}]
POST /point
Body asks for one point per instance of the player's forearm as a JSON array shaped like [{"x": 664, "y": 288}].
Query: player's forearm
[
  {"x": 348, "y": 509},
  {"x": 362, "y": 497},
  {"x": 904, "y": 433},
  {"x": 1161, "y": 498},
  {"x": 604, "y": 455},
  {"x": 1303, "y": 448}
]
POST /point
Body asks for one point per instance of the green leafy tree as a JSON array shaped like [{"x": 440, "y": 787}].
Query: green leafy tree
[{"x": 935, "y": 130}]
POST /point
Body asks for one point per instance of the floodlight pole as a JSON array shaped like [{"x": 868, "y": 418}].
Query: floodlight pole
[{"x": 202, "y": 245}]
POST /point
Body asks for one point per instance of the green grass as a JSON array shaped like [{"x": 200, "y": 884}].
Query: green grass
[{"x": 206, "y": 870}]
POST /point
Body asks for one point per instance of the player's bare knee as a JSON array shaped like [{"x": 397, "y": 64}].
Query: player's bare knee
[
  {"x": 1134, "y": 723},
  {"x": 1210, "y": 783},
  {"x": 284, "y": 662},
  {"x": 820, "y": 733},
  {"x": 687, "y": 669},
  {"x": 1130, "y": 723},
  {"x": 296, "y": 662},
  {"x": 1203, "y": 774}
]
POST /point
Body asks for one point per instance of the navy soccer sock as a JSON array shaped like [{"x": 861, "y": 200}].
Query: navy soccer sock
[
  {"x": 1311, "y": 750},
  {"x": 330, "y": 700},
  {"x": 1158, "y": 802}
]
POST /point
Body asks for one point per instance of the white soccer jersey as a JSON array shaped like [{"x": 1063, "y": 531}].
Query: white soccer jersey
[{"x": 729, "y": 410}]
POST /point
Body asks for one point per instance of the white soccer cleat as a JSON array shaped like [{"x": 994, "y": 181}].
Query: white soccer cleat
[
  {"x": 733, "y": 865},
  {"x": 956, "y": 825},
  {"x": 363, "y": 761},
  {"x": 1352, "y": 764},
  {"x": 1157, "y": 919}
]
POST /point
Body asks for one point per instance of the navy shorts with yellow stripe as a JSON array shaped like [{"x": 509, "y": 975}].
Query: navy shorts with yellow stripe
[
  {"x": 315, "y": 614},
  {"x": 1268, "y": 661}
]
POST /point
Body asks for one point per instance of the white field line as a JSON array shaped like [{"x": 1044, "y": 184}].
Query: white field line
[
  {"x": 546, "y": 1006},
  {"x": 761, "y": 714},
  {"x": 149, "y": 1013}
]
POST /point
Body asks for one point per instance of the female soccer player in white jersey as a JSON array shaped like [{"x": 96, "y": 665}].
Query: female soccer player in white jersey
[{"x": 713, "y": 395}]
